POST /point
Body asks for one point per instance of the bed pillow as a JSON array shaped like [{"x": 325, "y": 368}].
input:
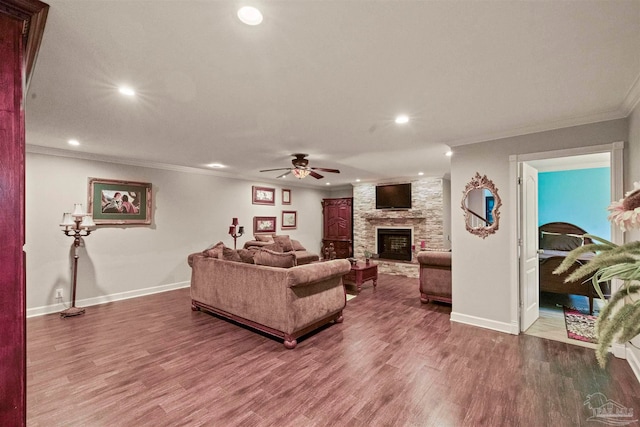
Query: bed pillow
[
  {"x": 275, "y": 259},
  {"x": 275, "y": 247},
  {"x": 560, "y": 242}
]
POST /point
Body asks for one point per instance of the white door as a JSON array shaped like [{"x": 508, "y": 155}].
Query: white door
[{"x": 529, "y": 286}]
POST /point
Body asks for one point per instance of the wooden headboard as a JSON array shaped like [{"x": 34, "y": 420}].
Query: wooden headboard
[{"x": 564, "y": 228}]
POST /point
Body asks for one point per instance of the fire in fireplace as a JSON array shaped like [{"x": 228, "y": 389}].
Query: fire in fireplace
[{"x": 394, "y": 243}]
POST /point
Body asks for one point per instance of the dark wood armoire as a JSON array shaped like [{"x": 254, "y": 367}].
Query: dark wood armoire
[
  {"x": 337, "y": 217},
  {"x": 21, "y": 28}
]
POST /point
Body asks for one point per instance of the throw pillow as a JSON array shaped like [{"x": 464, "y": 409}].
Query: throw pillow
[
  {"x": 214, "y": 251},
  {"x": 229, "y": 254},
  {"x": 275, "y": 259},
  {"x": 297, "y": 246},
  {"x": 275, "y": 247},
  {"x": 246, "y": 255},
  {"x": 264, "y": 238},
  {"x": 285, "y": 242}
]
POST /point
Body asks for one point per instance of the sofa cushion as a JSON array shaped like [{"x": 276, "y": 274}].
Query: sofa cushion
[
  {"x": 275, "y": 259},
  {"x": 297, "y": 246},
  {"x": 275, "y": 247},
  {"x": 229, "y": 254},
  {"x": 214, "y": 251},
  {"x": 264, "y": 238},
  {"x": 246, "y": 255},
  {"x": 285, "y": 242}
]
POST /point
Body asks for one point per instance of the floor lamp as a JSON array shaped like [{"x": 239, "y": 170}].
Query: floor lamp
[
  {"x": 235, "y": 232},
  {"x": 77, "y": 224}
]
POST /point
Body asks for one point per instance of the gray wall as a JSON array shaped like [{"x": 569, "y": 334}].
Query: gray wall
[
  {"x": 191, "y": 211},
  {"x": 483, "y": 268}
]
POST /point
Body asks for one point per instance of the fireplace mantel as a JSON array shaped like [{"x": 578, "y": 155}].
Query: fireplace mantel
[{"x": 390, "y": 214}]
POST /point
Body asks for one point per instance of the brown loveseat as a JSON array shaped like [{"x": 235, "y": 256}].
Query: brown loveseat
[
  {"x": 303, "y": 256},
  {"x": 435, "y": 276},
  {"x": 285, "y": 302}
]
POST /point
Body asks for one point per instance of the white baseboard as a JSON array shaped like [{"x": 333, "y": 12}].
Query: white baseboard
[
  {"x": 480, "y": 322},
  {"x": 633, "y": 361},
  {"x": 55, "y": 308}
]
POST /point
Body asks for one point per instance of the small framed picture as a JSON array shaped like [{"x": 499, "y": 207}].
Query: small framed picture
[
  {"x": 263, "y": 195},
  {"x": 289, "y": 220},
  {"x": 119, "y": 202},
  {"x": 264, "y": 224},
  {"x": 286, "y": 196}
]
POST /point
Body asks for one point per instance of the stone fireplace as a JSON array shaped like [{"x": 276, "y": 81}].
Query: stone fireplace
[
  {"x": 425, "y": 223},
  {"x": 394, "y": 243}
]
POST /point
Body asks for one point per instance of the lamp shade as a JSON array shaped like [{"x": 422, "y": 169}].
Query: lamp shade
[
  {"x": 67, "y": 220},
  {"x": 77, "y": 210},
  {"x": 87, "y": 222}
]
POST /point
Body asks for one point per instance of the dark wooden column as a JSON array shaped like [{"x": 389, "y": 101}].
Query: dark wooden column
[{"x": 21, "y": 24}]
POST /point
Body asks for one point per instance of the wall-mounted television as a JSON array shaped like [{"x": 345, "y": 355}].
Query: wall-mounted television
[{"x": 393, "y": 196}]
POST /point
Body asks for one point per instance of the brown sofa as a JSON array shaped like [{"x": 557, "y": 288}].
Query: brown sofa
[
  {"x": 435, "y": 276},
  {"x": 303, "y": 256},
  {"x": 284, "y": 302}
]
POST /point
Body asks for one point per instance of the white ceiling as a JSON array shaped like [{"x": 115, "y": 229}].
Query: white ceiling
[{"x": 325, "y": 78}]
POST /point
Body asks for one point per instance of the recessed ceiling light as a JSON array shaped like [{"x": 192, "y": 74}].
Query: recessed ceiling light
[
  {"x": 449, "y": 153},
  {"x": 402, "y": 119},
  {"x": 73, "y": 142},
  {"x": 216, "y": 165},
  {"x": 126, "y": 90},
  {"x": 420, "y": 173},
  {"x": 250, "y": 15},
  {"x": 358, "y": 180},
  {"x": 328, "y": 183}
]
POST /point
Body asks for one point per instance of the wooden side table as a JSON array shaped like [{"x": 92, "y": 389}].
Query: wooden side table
[{"x": 360, "y": 273}]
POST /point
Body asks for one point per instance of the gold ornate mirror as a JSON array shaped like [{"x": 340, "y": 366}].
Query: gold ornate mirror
[{"x": 481, "y": 204}]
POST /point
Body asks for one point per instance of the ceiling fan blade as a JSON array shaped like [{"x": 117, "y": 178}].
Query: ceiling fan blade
[
  {"x": 326, "y": 170},
  {"x": 315, "y": 175},
  {"x": 284, "y": 174},
  {"x": 278, "y": 169}
]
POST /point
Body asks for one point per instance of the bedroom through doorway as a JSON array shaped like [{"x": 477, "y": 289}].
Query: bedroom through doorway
[{"x": 572, "y": 196}]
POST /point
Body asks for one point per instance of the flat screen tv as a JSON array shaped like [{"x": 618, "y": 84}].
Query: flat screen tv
[{"x": 393, "y": 196}]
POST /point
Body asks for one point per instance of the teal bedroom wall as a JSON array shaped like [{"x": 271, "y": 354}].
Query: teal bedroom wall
[{"x": 579, "y": 196}]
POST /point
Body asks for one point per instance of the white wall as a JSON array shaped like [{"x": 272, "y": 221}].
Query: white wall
[
  {"x": 631, "y": 175},
  {"x": 482, "y": 270},
  {"x": 191, "y": 211}
]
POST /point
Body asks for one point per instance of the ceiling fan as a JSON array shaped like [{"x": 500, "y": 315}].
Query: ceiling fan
[{"x": 301, "y": 169}]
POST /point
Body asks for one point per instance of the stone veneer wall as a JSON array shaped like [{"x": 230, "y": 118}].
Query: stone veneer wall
[{"x": 425, "y": 216}]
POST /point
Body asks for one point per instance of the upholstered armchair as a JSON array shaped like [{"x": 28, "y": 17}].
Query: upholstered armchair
[{"x": 435, "y": 276}]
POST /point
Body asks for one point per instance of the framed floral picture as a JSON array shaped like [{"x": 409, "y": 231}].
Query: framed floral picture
[
  {"x": 263, "y": 195},
  {"x": 286, "y": 196},
  {"x": 119, "y": 202},
  {"x": 289, "y": 220},
  {"x": 264, "y": 224}
]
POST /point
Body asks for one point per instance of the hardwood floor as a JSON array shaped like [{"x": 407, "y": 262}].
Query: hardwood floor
[{"x": 151, "y": 361}]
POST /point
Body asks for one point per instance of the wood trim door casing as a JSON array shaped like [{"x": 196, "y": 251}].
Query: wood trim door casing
[{"x": 21, "y": 28}]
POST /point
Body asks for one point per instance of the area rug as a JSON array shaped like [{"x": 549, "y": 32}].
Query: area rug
[{"x": 580, "y": 325}]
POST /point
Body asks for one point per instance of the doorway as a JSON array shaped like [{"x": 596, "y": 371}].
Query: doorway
[{"x": 541, "y": 313}]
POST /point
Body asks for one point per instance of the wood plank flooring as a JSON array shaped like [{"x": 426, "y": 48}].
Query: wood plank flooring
[{"x": 151, "y": 361}]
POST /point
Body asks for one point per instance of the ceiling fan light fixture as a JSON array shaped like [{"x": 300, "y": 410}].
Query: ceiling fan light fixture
[{"x": 300, "y": 173}]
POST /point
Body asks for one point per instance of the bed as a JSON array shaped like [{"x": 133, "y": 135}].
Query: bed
[{"x": 557, "y": 239}]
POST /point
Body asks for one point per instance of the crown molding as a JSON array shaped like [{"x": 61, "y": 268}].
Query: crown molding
[
  {"x": 543, "y": 127},
  {"x": 633, "y": 97},
  {"x": 58, "y": 152}
]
